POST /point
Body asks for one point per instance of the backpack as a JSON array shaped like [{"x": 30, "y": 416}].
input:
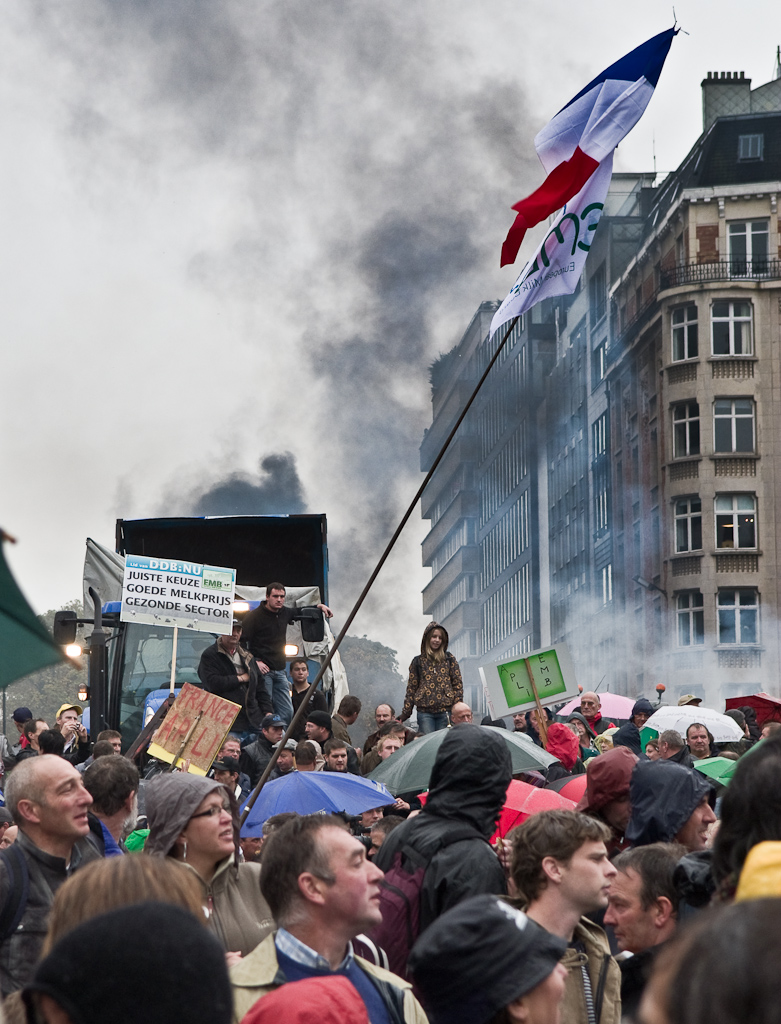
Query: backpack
[
  {"x": 18, "y": 892},
  {"x": 400, "y": 899}
]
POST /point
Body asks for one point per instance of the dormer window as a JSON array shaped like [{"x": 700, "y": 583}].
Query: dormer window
[{"x": 750, "y": 147}]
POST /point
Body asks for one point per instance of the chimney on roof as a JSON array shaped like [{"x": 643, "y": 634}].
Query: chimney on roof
[{"x": 724, "y": 93}]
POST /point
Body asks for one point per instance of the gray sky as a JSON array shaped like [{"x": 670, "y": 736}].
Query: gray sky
[{"x": 235, "y": 235}]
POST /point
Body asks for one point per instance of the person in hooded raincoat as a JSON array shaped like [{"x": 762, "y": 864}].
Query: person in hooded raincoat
[
  {"x": 435, "y": 683},
  {"x": 196, "y": 821}
]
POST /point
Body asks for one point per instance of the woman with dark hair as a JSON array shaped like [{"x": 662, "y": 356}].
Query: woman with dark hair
[
  {"x": 750, "y": 812},
  {"x": 196, "y": 822},
  {"x": 434, "y": 684}
]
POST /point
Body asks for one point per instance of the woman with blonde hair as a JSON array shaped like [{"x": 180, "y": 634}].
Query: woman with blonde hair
[{"x": 435, "y": 683}]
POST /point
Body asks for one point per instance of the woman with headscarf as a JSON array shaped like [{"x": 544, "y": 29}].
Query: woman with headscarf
[
  {"x": 195, "y": 821},
  {"x": 435, "y": 683}
]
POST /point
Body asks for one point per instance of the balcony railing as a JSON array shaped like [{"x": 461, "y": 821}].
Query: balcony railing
[{"x": 721, "y": 270}]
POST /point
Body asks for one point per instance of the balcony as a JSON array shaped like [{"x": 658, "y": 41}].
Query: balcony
[{"x": 721, "y": 270}]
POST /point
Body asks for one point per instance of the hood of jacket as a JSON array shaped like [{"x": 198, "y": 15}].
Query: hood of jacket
[
  {"x": 582, "y": 718},
  {"x": 470, "y": 777},
  {"x": 629, "y": 736},
  {"x": 563, "y": 744},
  {"x": 663, "y": 797},
  {"x": 607, "y": 778},
  {"x": 171, "y": 800},
  {"x": 426, "y": 631}
]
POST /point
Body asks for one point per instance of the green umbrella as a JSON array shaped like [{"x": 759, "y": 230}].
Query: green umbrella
[
  {"x": 409, "y": 769},
  {"x": 25, "y": 644},
  {"x": 717, "y": 768}
]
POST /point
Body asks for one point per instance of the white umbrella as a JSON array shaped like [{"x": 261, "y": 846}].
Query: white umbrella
[{"x": 723, "y": 728}]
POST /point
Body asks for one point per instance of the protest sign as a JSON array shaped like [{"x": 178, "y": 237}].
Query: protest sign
[
  {"x": 201, "y": 719},
  {"x": 172, "y": 592},
  {"x": 512, "y": 684}
]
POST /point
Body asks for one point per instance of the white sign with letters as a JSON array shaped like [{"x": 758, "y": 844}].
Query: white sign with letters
[{"x": 172, "y": 592}]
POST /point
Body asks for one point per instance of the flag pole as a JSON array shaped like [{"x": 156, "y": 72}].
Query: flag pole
[{"x": 383, "y": 559}]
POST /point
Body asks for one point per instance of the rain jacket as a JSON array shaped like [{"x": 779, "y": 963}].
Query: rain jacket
[
  {"x": 663, "y": 796},
  {"x": 604, "y": 974},
  {"x": 591, "y": 750},
  {"x": 433, "y": 686},
  {"x": 608, "y": 778},
  {"x": 322, "y": 1000},
  {"x": 259, "y": 973},
  {"x": 563, "y": 744},
  {"x": 468, "y": 787},
  {"x": 238, "y": 914}
]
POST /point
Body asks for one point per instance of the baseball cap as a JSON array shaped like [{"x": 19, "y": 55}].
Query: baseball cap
[
  {"x": 271, "y": 720},
  {"x": 689, "y": 698},
  {"x": 226, "y": 764},
  {"x": 478, "y": 958},
  {"x": 68, "y": 707},
  {"x": 22, "y": 715},
  {"x": 290, "y": 745}
]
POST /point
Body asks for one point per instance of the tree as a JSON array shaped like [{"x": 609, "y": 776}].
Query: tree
[
  {"x": 44, "y": 691},
  {"x": 373, "y": 675}
]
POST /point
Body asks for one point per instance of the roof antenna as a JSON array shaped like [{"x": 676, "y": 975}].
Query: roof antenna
[
  {"x": 653, "y": 146},
  {"x": 777, "y": 69}
]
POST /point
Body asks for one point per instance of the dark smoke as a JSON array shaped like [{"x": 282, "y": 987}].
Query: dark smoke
[{"x": 277, "y": 491}]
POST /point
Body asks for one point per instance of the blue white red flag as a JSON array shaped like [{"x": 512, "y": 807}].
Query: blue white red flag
[{"x": 576, "y": 149}]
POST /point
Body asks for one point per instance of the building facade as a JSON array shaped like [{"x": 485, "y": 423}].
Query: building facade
[{"x": 614, "y": 486}]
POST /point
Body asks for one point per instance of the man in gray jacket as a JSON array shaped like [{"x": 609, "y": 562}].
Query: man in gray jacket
[{"x": 49, "y": 803}]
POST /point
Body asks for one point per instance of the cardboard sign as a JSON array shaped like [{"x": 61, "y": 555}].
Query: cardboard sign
[
  {"x": 509, "y": 684},
  {"x": 205, "y": 739},
  {"x": 171, "y": 592}
]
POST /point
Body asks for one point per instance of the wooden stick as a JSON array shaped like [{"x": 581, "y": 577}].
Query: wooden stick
[
  {"x": 186, "y": 740},
  {"x": 141, "y": 741},
  {"x": 173, "y": 661},
  {"x": 542, "y": 722}
]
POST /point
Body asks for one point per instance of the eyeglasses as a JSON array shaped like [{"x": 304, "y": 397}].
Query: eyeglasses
[{"x": 212, "y": 811}]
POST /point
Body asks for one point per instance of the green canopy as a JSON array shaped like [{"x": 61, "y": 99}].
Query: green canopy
[
  {"x": 25, "y": 644},
  {"x": 719, "y": 769},
  {"x": 409, "y": 769}
]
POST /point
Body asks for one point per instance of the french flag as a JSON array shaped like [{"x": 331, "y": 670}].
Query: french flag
[{"x": 586, "y": 131}]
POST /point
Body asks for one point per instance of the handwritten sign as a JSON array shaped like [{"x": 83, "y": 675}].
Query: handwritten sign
[
  {"x": 509, "y": 684},
  {"x": 173, "y": 592},
  {"x": 217, "y": 717}
]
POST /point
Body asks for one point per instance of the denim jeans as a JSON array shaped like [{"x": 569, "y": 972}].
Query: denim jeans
[
  {"x": 278, "y": 686},
  {"x": 432, "y": 721}
]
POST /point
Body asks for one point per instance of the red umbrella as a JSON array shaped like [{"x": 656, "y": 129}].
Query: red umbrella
[
  {"x": 523, "y": 800},
  {"x": 768, "y": 708},
  {"x": 572, "y": 789}
]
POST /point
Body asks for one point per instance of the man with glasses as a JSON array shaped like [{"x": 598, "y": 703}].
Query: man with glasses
[{"x": 590, "y": 706}]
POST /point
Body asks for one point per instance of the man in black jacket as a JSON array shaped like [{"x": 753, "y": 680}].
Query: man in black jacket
[
  {"x": 468, "y": 785},
  {"x": 228, "y": 670},
  {"x": 255, "y": 756},
  {"x": 299, "y": 674}
]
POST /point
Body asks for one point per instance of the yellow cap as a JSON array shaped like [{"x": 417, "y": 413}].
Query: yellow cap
[
  {"x": 67, "y": 707},
  {"x": 761, "y": 874}
]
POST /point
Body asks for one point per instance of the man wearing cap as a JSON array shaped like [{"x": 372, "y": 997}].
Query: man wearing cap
[
  {"x": 73, "y": 732},
  {"x": 561, "y": 872},
  {"x": 607, "y": 793},
  {"x": 483, "y": 957},
  {"x": 255, "y": 756},
  {"x": 670, "y": 803},
  {"x": 590, "y": 708},
  {"x": 226, "y": 771},
  {"x": 320, "y": 729},
  {"x": 629, "y": 734},
  {"x": 228, "y": 670},
  {"x": 286, "y": 761},
  {"x": 689, "y": 698}
]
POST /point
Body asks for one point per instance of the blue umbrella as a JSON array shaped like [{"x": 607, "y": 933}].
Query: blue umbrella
[{"x": 315, "y": 793}]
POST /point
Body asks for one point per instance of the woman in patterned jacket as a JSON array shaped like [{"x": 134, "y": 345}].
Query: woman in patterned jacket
[{"x": 434, "y": 681}]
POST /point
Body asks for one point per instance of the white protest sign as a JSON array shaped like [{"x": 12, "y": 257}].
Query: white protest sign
[
  {"x": 171, "y": 592},
  {"x": 511, "y": 684}
]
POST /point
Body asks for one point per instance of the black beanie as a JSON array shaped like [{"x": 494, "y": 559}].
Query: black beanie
[
  {"x": 151, "y": 961},
  {"x": 478, "y": 958}
]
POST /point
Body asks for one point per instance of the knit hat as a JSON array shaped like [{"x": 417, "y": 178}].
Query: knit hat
[
  {"x": 643, "y": 706},
  {"x": 321, "y": 718},
  {"x": 478, "y": 958},
  {"x": 151, "y": 961}
]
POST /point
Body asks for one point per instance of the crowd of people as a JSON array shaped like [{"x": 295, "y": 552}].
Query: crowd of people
[{"x": 655, "y": 899}]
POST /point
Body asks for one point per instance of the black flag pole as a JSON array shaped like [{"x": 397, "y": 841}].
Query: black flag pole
[{"x": 383, "y": 559}]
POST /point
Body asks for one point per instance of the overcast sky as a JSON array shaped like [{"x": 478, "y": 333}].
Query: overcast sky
[{"x": 234, "y": 236}]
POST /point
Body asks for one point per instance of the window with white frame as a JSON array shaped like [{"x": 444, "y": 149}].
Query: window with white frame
[
  {"x": 686, "y": 429},
  {"x": 731, "y": 329},
  {"x": 597, "y": 293},
  {"x": 733, "y": 425},
  {"x": 738, "y": 616},
  {"x": 691, "y": 620},
  {"x": 685, "y": 339},
  {"x": 736, "y": 521},
  {"x": 748, "y": 247},
  {"x": 607, "y": 583},
  {"x": 751, "y": 147},
  {"x": 688, "y": 524}
]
